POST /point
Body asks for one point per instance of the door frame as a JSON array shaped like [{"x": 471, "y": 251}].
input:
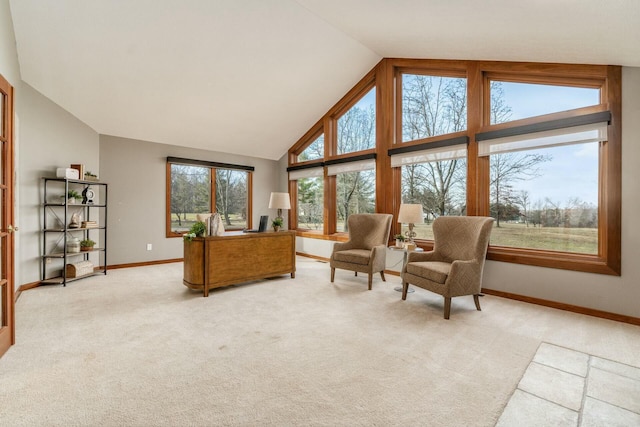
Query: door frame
[{"x": 7, "y": 241}]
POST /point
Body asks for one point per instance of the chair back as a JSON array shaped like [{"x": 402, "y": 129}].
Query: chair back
[
  {"x": 369, "y": 230},
  {"x": 462, "y": 237}
]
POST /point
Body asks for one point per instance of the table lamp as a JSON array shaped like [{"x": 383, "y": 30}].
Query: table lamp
[
  {"x": 279, "y": 201},
  {"x": 410, "y": 214}
]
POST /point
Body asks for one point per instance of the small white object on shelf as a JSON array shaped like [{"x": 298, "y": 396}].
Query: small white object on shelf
[{"x": 67, "y": 173}]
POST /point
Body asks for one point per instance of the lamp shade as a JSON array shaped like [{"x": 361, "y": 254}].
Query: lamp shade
[
  {"x": 279, "y": 201},
  {"x": 410, "y": 214}
]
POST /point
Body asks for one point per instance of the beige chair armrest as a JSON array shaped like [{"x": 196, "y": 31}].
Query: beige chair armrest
[
  {"x": 466, "y": 278},
  {"x": 341, "y": 246}
]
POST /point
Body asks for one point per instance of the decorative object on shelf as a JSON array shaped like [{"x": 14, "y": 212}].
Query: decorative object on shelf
[
  {"x": 73, "y": 245},
  {"x": 399, "y": 241},
  {"x": 75, "y": 220},
  {"x": 88, "y": 176},
  {"x": 68, "y": 173},
  {"x": 89, "y": 224},
  {"x": 279, "y": 201},
  {"x": 410, "y": 214},
  {"x": 80, "y": 169},
  {"x": 87, "y": 196},
  {"x": 87, "y": 245},
  {"x": 277, "y": 224},
  {"x": 198, "y": 229},
  {"x": 72, "y": 196},
  {"x": 79, "y": 269}
]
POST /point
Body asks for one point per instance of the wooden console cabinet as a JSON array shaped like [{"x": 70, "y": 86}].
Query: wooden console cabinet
[{"x": 215, "y": 261}]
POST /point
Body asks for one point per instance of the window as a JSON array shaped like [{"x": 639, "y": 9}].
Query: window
[
  {"x": 544, "y": 185},
  {"x": 536, "y": 146},
  {"x": 438, "y": 183},
  {"x": 514, "y": 101},
  {"x": 432, "y": 106},
  {"x": 196, "y": 187},
  {"x": 355, "y": 189},
  {"x": 314, "y": 151},
  {"x": 357, "y": 127},
  {"x": 310, "y": 197}
]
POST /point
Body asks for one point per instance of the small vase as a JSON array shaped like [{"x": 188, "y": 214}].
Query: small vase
[
  {"x": 276, "y": 228},
  {"x": 399, "y": 244}
]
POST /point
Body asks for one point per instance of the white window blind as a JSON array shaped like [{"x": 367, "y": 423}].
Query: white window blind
[
  {"x": 594, "y": 132},
  {"x": 450, "y": 152},
  {"x": 357, "y": 166},
  {"x": 306, "y": 173}
]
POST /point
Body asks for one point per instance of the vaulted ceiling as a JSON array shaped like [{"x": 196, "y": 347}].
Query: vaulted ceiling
[{"x": 251, "y": 76}]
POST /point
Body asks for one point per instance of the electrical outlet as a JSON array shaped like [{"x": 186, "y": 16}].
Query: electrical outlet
[{"x": 149, "y": 246}]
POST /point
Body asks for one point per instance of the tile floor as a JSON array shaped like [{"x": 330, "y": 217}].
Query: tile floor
[{"x": 563, "y": 387}]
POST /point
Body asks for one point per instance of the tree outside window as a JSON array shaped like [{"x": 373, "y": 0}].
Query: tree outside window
[{"x": 191, "y": 194}]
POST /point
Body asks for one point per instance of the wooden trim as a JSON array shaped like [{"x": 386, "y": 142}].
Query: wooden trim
[
  {"x": 210, "y": 165},
  {"x": 446, "y": 142},
  {"x": 349, "y": 159},
  {"x": 307, "y": 165},
  {"x": 587, "y": 119},
  {"x": 26, "y": 287},
  {"x": 316, "y": 257},
  {"x": 145, "y": 263},
  {"x": 566, "y": 307}
]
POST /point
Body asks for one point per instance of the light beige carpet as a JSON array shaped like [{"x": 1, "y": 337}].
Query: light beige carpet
[{"x": 138, "y": 348}]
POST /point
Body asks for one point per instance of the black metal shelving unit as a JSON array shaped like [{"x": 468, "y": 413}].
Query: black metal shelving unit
[{"x": 57, "y": 213}]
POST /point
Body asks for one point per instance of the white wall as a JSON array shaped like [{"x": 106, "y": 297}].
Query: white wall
[
  {"x": 9, "y": 66},
  {"x": 50, "y": 138},
  {"x": 601, "y": 292},
  {"x": 136, "y": 173}
]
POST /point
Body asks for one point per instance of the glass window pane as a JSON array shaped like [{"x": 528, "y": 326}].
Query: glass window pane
[
  {"x": 232, "y": 197},
  {"x": 514, "y": 101},
  {"x": 3, "y": 304},
  {"x": 190, "y": 195},
  {"x": 2, "y": 112},
  {"x": 311, "y": 203},
  {"x": 356, "y": 193},
  {"x": 313, "y": 151},
  {"x": 546, "y": 198},
  {"x": 432, "y": 105},
  {"x": 440, "y": 187},
  {"x": 357, "y": 127}
]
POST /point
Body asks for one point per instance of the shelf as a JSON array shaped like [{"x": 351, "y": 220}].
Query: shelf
[
  {"x": 61, "y": 280},
  {"x": 78, "y": 205},
  {"x": 75, "y": 181},
  {"x": 62, "y": 254},
  {"x": 62, "y": 230},
  {"x": 56, "y": 232}
]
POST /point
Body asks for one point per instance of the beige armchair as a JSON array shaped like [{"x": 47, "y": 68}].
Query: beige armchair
[
  {"x": 366, "y": 249},
  {"x": 454, "y": 266}
]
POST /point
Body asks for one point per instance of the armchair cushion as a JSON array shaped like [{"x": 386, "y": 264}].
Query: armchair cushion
[
  {"x": 353, "y": 256},
  {"x": 435, "y": 271}
]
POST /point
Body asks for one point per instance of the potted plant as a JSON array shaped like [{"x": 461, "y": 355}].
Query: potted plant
[
  {"x": 72, "y": 196},
  {"x": 277, "y": 223},
  {"x": 197, "y": 230},
  {"x": 87, "y": 245},
  {"x": 399, "y": 240}
]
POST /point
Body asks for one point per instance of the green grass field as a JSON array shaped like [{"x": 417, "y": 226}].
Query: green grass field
[{"x": 576, "y": 240}]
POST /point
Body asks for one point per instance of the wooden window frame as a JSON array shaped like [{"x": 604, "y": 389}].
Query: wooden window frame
[
  {"x": 478, "y": 74},
  {"x": 213, "y": 166}
]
